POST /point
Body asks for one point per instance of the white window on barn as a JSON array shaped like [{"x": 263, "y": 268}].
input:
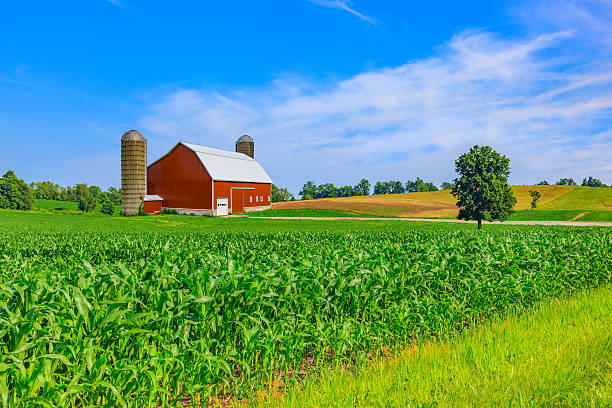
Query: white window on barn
[
  {"x": 261, "y": 198},
  {"x": 256, "y": 198},
  {"x": 268, "y": 198},
  {"x": 251, "y": 199}
]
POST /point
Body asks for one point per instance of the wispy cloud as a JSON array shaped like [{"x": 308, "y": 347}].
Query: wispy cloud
[
  {"x": 536, "y": 99},
  {"x": 343, "y": 5},
  {"x": 117, "y": 3}
]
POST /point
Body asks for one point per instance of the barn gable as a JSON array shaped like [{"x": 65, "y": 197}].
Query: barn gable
[{"x": 223, "y": 165}]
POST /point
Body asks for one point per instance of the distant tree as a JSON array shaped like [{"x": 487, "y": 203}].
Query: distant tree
[
  {"x": 87, "y": 202},
  {"x": 345, "y": 191},
  {"x": 362, "y": 188},
  {"x": 114, "y": 195},
  {"x": 419, "y": 185},
  {"x": 482, "y": 189},
  {"x": 535, "y": 196},
  {"x": 396, "y": 187},
  {"x": 281, "y": 194},
  {"x": 70, "y": 194},
  {"x": 566, "y": 182},
  {"x": 327, "y": 190},
  {"x": 382, "y": 187},
  {"x": 15, "y": 193},
  {"x": 108, "y": 207},
  {"x": 447, "y": 186},
  {"x": 593, "y": 182},
  {"x": 46, "y": 190},
  {"x": 308, "y": 191},
  {"x": 543, "y": 183},
  {"x": 96, "y": 192}
]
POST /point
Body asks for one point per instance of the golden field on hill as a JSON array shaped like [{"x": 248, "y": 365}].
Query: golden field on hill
[{"x": 441, "y": 204}]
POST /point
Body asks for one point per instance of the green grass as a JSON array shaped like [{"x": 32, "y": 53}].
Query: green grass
[
  {"x": 65, "y": 206},
  {"x": 600, "y": 216},
  {"x": 544, "y": 215},
  {"x": 581, "y": 198},
  {"x": 308, "y": 212},
  {"x": 559, "y": 354},
  {"x": 98, "y": 310},
  {"x": 57, "y": 205}
]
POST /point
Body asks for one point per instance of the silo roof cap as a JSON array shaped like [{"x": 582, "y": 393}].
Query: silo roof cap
[
  {"x": 132, "y": 135},
  {"x": 244, "y": 138}
]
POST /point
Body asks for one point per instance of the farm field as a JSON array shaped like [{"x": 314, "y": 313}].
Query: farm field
[
  {"x": 441, "y": 204},
  {"x": 125, "y": 311},
  {"x": 559, "y": 354}
]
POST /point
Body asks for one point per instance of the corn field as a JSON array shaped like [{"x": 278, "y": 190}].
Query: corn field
[{"x": 161, "y": 319}]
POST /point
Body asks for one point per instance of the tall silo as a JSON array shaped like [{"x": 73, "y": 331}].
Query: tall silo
[
  {"x": 133, "y": 171},
  {"x": 246, "y": 145}
]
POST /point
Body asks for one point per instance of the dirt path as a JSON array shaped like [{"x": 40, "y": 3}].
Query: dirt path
[
  {"x": 565, "y": 223},
  {"x": 578, "y": 216}
]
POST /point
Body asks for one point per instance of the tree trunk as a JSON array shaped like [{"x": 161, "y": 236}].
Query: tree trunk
[{"x": 479, "y": 224}]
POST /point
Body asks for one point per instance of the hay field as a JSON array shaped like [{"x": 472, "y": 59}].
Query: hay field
[{"x": 441, "y": 204}]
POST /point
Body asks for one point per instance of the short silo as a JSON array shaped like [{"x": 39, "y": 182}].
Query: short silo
[
  {"x": 246, "y": 145},
  {"x": 133, "y": 171}
]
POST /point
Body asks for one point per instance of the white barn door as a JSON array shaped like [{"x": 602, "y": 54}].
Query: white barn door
[{"x": 221, "y": 206}]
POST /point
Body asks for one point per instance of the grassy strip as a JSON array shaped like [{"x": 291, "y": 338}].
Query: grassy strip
[
  {"x": 66, "y": 206},
  {"x": 308, "y": 212},
  {"x": 558, "y": 355},
  {"x": 601, "y": 216},
  {"x": 544, "y": 215}
]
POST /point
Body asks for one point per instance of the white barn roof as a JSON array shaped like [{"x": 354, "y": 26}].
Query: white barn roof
[{"x": 223, "y": 165}]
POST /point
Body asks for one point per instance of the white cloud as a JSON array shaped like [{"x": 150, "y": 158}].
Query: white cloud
[
  {"x": 343, "y": 5},
  {"x": 544, "y": 107}
]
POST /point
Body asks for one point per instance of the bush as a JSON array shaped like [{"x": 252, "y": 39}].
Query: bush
[
  {"x": 108, "y": 207},
  {"x": 15, "y": 193},
  {"x": 170, "y": 211}
]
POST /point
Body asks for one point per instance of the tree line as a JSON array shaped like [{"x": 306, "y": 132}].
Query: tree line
[
  {"x": 312, "y": 191},
  {"x": 16, "y": 194},
  {"x": 586, "y": 182}
]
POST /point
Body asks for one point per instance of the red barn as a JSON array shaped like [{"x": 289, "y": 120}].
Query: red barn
[{"x": 194, "y": 179}]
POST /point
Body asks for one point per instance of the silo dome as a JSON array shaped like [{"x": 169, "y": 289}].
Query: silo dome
[
  {"x": 244, "y": 138},
  {"x": 246, "y": 146},
  {"x": 132, "y": 135}
]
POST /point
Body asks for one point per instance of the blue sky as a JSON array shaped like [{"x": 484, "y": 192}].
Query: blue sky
[{"x": 331, "y": 90}]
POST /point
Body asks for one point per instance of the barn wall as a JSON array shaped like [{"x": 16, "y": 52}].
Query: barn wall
[
  {"x": 181, "y": 180},
  {"x": 151, "y": 207},
  {"x": 222, "y": 189}
]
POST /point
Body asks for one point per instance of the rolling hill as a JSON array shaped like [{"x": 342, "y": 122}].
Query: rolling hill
[{"x": 441, "y": 204}]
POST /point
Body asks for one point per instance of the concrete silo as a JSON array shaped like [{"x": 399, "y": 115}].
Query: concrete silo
[
  {"x": 246, "y": 145},
  {"x": 133, "y": 172}
]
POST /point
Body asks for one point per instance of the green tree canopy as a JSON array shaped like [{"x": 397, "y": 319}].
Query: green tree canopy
[
  {"x": 281, "y": 194},
  {"x": 482, "y": 189},
  {"x": 15, "y": 193},
  {"x": 566, "y": 182},
  {"x": 419, "y": 185},
  {"x": 593, "y": 182},
  {"x": 87, "y": 202},
  {"x": 362, "y": 188}
]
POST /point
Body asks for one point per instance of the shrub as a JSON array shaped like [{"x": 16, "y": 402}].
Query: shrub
[{"x": 108, "y": 207}]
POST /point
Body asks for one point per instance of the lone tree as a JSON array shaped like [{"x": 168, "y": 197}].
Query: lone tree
[
  {"x": 482, "y": 190},
  {"x": 535, "y": 196}
]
